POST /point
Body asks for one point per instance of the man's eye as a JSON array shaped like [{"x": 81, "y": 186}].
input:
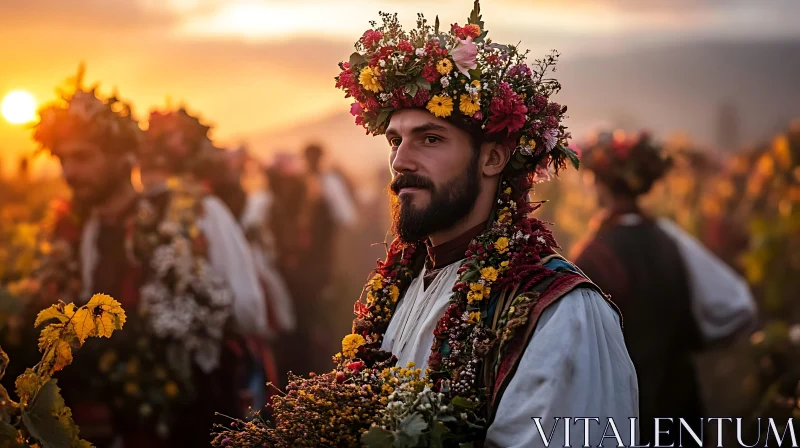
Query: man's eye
[
  {"x": 430, "y": 139},
  {"x": 394, "y": 142}
]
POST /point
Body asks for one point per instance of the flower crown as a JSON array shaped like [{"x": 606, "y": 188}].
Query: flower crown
[
  {"x": 80, "y": 112},
  {"x": 625, "y": 162},
  {"x": 175, "y": 140},
  {"x": 460, "y": 76}
]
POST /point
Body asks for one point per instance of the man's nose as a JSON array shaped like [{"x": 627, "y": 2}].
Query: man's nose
[{"x": 403, "y": 160}]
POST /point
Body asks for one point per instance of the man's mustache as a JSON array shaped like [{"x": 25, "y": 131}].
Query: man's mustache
[{"x": 410, "y": 181}]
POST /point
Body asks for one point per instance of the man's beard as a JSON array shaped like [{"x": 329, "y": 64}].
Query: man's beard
[
  {"x": 448, "y": 204},
  {"x": 99, "y": 191}
]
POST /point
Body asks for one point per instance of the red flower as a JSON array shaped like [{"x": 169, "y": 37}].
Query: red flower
[
  {"x": 371, "y": 37},
  {"x": 405, "y": 46},
  {"x": 340, "y": 377},
  {"x": 372, "y": 104},
  {"x": 460, "y": 32},
  {"x": 435, "y": 361},
  {"x": 508, "y": 111},
  {"x": 429, "y": 73},
  {"x": 422, "y": 97},
  {"x": 356, "y": 366}
]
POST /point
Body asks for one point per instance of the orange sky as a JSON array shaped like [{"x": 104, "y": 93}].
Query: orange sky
[{"x": 251, "y": 65}]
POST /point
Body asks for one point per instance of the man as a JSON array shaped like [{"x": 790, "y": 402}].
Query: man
[
  {"x": 473, "y": 289},
  {"x": 159, "y": 382},
  {"x": 676, "y": 296}
]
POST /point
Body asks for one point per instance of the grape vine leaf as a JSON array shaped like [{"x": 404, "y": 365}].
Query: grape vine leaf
[{"x": 49, "y": 420}]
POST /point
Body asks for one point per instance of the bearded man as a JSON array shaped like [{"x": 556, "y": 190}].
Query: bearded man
[
  {"x": 473, "y": 291},
  {"x": 159, "y": 382}
]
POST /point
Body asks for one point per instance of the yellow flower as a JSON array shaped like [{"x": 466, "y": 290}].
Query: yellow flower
[
  {"x": 171, "y": 389},
  {"x": 474, "y": 28},
  {"x": 489, "y": 273},
  {"x": 376, "y": 282},
  {"x": 441, "y": 106},
  {"x": 504, "y": 264},
  {"x": 504, "y": 214},
  {"x": 351, "y": 343},
  {"x": 394, "y": 293},
  {"x": 444, "y": 66},
  {"x": 477, "y": 292},
  {"x": 474, "y": 317},
  {"x": 532, "y": 143},
  {"x": 476, "y": 84},
  {"x": 501, "y": 245},
  {"x": 469, "y": 104},
  {"x": 371, "y": 298},
  {"x": 507, "y": 190},
  {"x": 369, "y": 80}
]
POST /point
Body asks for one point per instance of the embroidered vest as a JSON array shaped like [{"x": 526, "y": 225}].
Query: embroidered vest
[{"x": 517, "y": 315}]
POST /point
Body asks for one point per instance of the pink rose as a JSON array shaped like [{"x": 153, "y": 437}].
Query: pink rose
[{"x": 465, "y": 55}]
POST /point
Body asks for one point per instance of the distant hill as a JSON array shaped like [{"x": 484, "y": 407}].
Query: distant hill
[{"x": 665, "y": 89}]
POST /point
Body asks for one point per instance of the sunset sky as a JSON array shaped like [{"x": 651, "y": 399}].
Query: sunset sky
[{"x": 253, "y": 65}]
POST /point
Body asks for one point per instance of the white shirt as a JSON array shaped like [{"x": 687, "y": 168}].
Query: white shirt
[{"x": 576, "y": 365}]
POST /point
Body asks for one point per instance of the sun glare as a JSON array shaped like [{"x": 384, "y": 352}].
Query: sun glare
[{"x": 19, "y": 107}]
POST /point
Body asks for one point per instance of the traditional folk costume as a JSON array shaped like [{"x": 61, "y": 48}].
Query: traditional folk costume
[
  {"x": 677, "y": 297},
  {"x": 496, "y": 316},
  {"x": 502, "y": 330},
  {"x": 169, "y": 258}
]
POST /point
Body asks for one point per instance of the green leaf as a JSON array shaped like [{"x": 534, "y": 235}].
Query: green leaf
[
  {"x": 446, "y": 418},
  {"x": 413, "y": 426},
  {"x": 409, "y": 431},
  {"x": 466, "y": 445},
  {"x": 48, "y": 419},
  {"x": 412, "y": 89},
  {"x": 377, "y": 437},
  {"x": 573, "y": 157},
  {"x": 423, "y": 83},
  {"x": 436, "y": 26},
  {"x": 475, "y": 74},
  {"x": 384, "y": 115},
  {"x": 462, "y": 402},
  {"x": 8, "y": 436},
  {"x": 357, "y": 59},
  {"x": 438, "y": 434}
]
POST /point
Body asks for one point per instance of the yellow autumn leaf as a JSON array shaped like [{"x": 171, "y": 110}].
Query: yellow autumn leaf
[
  {"x": 54, "y": 312},
  {"x": 49, "y": 335},
  {"x": 107, "y": 315},
  {"x": 27, "y": 385},
  {"x": 57, "y": 356},
  {"x": 82, "y": 324}
]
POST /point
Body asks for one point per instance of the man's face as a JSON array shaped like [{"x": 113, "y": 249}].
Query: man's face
[
  {"x": 435, "y": 176},
  {"x": 89, "y": 171}
]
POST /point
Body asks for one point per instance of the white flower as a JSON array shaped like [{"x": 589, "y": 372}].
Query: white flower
[
  {"x": 550, "y": 137},
  {"x": 794, "y": 334},
  {"x": 420, "y": 52},
  {"x": 445, "y": 82},
  {"x": 540, "y": 239},
  {"x": 382, "y": 63}
]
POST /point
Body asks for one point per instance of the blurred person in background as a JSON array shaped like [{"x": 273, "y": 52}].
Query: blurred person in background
[
  {"x": 178, "y": 148},
  {"x": 677, "y": 298},
  {"x": 157, "y": 383},
  {"x": 252, "y": 212}
]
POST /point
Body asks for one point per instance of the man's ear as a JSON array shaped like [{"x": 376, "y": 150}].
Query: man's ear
[{"x": 496, "y": 158}]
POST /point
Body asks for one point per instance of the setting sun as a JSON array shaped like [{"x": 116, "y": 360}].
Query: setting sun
[{"x": 19, "y": 107}]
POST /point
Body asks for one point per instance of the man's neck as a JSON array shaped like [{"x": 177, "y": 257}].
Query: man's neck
[{"x": 116, "y": 204}]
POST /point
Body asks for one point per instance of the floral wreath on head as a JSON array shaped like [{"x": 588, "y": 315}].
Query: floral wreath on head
[
  {"x": 627, "y": 163},
  {"x": 459, "y": 75},
  {"x": 81, "y": 113},
  {"x": 177, "y": 141}
]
